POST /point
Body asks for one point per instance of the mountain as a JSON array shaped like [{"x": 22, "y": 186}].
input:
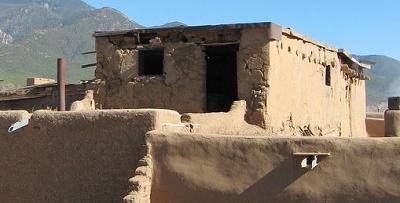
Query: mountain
[
  {"x": 385, "y": 80},
  {"x": 34, "y": 33},
  {"x": 171, "y": 24},
  {"x": 19, "y": 17}
]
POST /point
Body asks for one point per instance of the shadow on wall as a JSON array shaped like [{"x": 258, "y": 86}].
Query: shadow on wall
[
  {"x": 272, "y": 185},
  {"x": 275, "y": 181},
  {"x": 264, "y": 169}
]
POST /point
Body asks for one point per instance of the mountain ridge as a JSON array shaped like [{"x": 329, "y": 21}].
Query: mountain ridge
[
  {"x": 385, "y": 80},
  {"x": 42, "y": 33}
]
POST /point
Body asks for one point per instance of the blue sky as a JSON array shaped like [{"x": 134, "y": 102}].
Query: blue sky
[{"x": 360, "y": 26}]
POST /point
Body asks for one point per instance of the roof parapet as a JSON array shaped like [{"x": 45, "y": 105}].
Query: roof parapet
[
  {"x": 355, "y": 62},
  {"x": 277, "y": 29}
]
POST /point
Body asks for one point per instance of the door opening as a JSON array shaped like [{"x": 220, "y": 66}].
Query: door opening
[{"x": 221, "y": 79}]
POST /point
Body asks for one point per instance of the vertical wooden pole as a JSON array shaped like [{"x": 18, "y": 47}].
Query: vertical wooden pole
[{"x": 61, "y": 65}]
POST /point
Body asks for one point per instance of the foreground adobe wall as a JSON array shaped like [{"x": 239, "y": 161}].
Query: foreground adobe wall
[
  {"x": 298, "y": 99},
  {"x": 74, "y": 156},
  {"x": 205, "y": 168}
]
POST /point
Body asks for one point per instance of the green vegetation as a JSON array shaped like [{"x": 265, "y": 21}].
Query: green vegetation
[{"x": 46, "y": 30}]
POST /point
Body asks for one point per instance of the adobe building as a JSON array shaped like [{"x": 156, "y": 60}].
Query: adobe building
[
  {"x": 39, "y": 81},
  {"x": 289, "y": 82},
  {"x": 41, "y": 94},
  {"x": 233, "y": 87}
]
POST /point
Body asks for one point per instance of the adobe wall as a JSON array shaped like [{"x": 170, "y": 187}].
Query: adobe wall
[
  {"x": 181, "y": 88},
  {"x": 375, "y": 124},
  {"x": 252, "y": 68},
  {"x": 74, "y": 156},
  {"x": 42, "y": 103},
  {"x": 282, "y": 81},
  {"x": 222, "y": 123},
  {"x": 183, "y": 85},
  {"x": 298, "y": 101},
  {"x": 41, "y": 97},
  {"x": 206, "y": 168}
]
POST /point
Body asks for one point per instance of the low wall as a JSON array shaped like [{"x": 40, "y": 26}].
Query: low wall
[
  {"x": 206, "y": 168},
  {"x": 223, "y": 123},
  {"x": 392, "y": 123},
  {"x": 375, "y": 124},
  {"x": 375, "y": 127},
  {"x": 74, "y": 156},
  {"x": 41, "y": 97}
]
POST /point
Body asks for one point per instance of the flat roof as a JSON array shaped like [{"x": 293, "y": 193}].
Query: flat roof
[
  {"x": 284, "y": 31},
  {"x": 187, "y": 28}
]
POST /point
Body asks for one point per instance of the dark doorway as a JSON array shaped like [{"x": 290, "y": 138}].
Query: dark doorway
[{"x": 221, "y": 77}]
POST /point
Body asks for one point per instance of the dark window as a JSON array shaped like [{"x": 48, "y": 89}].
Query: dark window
[
  {"x": 144, "y": 38},
  {"x": 151, "y": 62},
  {"x": 328, "y": 76}
]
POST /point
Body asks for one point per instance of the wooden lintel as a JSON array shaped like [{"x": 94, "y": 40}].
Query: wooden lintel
[
  {"x": 312, "y": 154},
  {"x": 89, "y": 65}
]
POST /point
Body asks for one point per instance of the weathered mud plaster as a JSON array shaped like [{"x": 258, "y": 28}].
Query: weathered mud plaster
[
  {"x": 140, "y": 184},
  {"x": 207, "y": 168},
  {"x": 292, "y": 84},
  {"x": 299, "y": 101},
  {"x": 86, "y": 104},
  {"x": 253, "y": 65},
  {"x": 74, "y": 156},
  {"x": 229, "y": 123},
  {"x": 180, "y": 88}
]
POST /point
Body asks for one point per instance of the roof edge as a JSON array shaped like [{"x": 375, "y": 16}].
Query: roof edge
[
  {"x": 362, "y": 64},
  {"x": 186, "y": 28}
]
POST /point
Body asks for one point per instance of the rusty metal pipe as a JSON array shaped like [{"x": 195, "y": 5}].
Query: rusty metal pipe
[{"x": 61, "y": 65}]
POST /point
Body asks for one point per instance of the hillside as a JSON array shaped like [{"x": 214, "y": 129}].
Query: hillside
[
  {"x": 171, "y": 24},
  {"x": 34, "y": 33},
  {"x": 385, "y": 80}
]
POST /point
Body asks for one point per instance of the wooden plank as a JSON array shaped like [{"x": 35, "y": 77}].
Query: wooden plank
[
  {"x": 89, "y": 65},
  {"x": 89, "y": 52},
  {"x": 312, "y": 154}
]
